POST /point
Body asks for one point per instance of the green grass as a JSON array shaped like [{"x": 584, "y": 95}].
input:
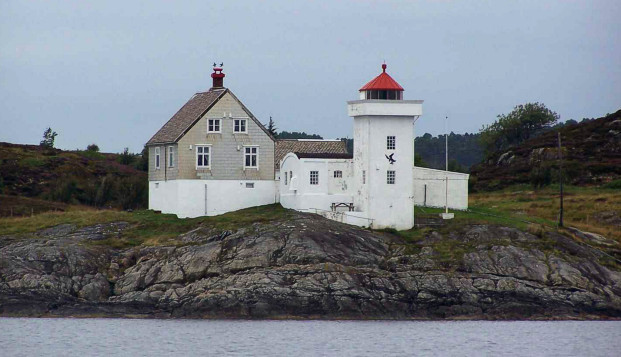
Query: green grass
[{"x": 147, "y": 227}]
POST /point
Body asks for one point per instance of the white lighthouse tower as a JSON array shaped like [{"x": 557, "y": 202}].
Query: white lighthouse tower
[{"x": 384, "y": 152}]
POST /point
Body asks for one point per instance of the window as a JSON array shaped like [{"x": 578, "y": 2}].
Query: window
[
  {"x": 390, "y": 142},
  {"x": 338, "y": 174},
  {"x": 249, "y": 184},
  {"x": 157, "y": 158},
  {"x": 251, "y": 157},
  {"x": 390, "y": 177},
  {"x": 286, "y": 174},
  {"x": 314, "y": 177},
  {"x": 171, "y": 156},
  {"x": 240, "y": 126},
  {"x": 364, "y": 177},
  {"x": 203, "y": 157},
  {"x": 213, "y": 126}
]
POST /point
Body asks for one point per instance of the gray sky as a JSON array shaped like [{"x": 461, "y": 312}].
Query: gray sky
[{"x": 113, "y": 72}]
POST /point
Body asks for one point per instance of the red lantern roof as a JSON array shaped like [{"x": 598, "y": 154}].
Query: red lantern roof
[{"x": 382, "y": 82}]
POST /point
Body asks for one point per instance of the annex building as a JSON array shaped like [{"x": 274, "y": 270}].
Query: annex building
[{"x": 213, "y": 156}]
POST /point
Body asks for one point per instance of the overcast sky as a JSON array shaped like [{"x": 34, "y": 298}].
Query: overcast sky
[{"x": 113, "y": 72}]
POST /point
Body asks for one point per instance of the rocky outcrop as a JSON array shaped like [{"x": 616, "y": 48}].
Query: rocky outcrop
[
  {"x": 591, "y": 152},
  {"x": 306, "y": 267}
]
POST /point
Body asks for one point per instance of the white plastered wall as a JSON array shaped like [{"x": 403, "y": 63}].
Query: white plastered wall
[
  {"x": 433, "y": 181},
  {"x": 299, "y": 194},
  {"x": 195, "y": 198}
]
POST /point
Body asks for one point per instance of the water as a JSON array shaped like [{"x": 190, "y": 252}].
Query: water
[{"x": 124, "y": 337}]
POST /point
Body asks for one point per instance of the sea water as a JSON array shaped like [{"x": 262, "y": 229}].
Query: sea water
[{"x": 129, "y": 337}]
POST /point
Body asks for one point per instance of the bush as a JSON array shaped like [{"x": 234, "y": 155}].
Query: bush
[
  {"x": 616, "y": 185},
  {"x": 540, "y": 176}
]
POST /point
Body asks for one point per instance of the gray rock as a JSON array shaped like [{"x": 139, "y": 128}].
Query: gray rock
[{"x": 305, "y": 267}]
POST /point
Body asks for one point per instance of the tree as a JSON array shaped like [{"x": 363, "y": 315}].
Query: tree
[
  {"x": 418, "y": 161},
  {"x": 522, "y": 123},
  {"x": 271, "y": 127},
  {"x": 92, "y": 147},
  {"x": 126, "y": 157},
  {"x": 48, "y": 138}
]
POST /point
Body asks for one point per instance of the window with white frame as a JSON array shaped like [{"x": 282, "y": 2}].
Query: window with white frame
[
  {"x": 203, "y": 157},
  {"x": 251, "y": 157},
  {"x": 239, "y": 126},
  {"x": 390, "y": 142},
  {"x": 338, "y": 174},
  {"x": 171, "y": 156},
  {"x": 364, "y": 177},
  {"x": 249, "y": 184},
  {"x": 390, "y": 177},
  {"x": 314, "y": 177},
  {"x": 157, "y": 158},
  {"x": 286, "y": 174},
  {"x": 213, "y": 125}
]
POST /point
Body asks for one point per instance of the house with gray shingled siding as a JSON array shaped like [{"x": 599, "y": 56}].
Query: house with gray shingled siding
[{"x": 213, "y": 156}]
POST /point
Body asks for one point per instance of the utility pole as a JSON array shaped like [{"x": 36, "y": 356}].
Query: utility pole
[
  {"x": 560, "y": 179},
  {"x": 446, "y": 164},
  {"x": 446, "y": 214}
]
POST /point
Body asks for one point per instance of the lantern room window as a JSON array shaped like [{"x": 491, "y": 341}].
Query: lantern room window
[{"x": 384, "y": 94}]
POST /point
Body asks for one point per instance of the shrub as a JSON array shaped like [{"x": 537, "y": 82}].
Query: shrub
[{"x": 616, "y": 184}]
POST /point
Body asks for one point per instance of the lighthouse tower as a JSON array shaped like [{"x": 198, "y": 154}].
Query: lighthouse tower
[{"x": 384, "y": 152}]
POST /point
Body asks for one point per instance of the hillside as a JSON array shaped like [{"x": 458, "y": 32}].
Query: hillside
[
  {"x": 70, "y": 177},
  {"x": 591, "y": 156}
]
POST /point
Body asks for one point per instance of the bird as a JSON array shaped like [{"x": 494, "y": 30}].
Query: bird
[
  {"x": 221, "y": 64},
  {"x": 214, "y": 64},
  {"x": 390, "y": 159}
]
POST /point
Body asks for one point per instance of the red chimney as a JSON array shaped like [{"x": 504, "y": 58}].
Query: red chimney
[{"x": 218, "y": 77}]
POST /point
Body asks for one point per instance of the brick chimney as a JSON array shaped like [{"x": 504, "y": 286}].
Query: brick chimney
[{"x": 218, "y": 77}]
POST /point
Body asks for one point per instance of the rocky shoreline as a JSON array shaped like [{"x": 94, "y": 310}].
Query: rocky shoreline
[{"x": 306, "y": 267}]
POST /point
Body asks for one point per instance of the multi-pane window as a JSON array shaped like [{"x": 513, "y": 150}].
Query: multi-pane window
[
  {"x": 239, "y": 125},
  {"x": 157, "y": 158},
  {"x": 390, "y": 177},
  {"x": 390, "y": 142},
  {"x": 251, "y": 156},
  {"x": 203, "y": 157},
  {"x": 171, "y": 156},
  {"x": 314, "y": 177},
  {"x": 364, "y": 177},
  {"x": 213, "y": 126},
  {"x": 338, "y": 174}
]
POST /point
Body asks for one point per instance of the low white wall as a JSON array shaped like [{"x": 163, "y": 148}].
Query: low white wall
[
  {"x": 195, "y": 198},
  {"x": 435, "y": 183}
]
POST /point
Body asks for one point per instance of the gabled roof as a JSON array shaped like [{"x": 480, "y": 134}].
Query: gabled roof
[
  {"x": 191, "y": 112},
  {"x": 307, "y": 146},
  {"x": 382, "y": 82}
]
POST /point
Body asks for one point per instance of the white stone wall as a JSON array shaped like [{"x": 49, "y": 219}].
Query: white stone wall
[
  {"x": 195, "y": 198},
  {"x": 435, "y": 184}
]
